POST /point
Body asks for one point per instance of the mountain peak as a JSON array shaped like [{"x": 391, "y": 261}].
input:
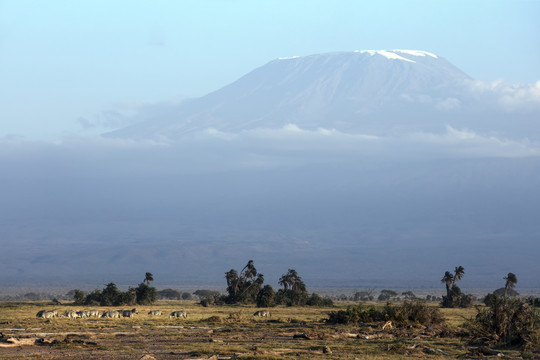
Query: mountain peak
[
  {"x": 332, "y": 90},
  {"x": 396, "y": 54}
]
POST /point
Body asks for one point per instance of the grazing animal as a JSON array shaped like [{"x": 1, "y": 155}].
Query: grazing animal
[
  {"x": 154, "y": 312},
  {"x": 71, "y": 314},
  {"x": 46, "y": 314},
  {"x": 129, "y": 313},
  {"x": 93, "y": 313},
  {"x": 49, "y": 314},
  {"x": 262, "y": 313},
  {"x": 387, "y": 324},
  {"x": 83, "y": 313},
  {"x": 111, "y": 314},
  {"x": 177, "y": 314}
]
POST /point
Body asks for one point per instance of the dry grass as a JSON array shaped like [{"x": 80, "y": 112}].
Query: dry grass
[{"x": 219, "y": 330}]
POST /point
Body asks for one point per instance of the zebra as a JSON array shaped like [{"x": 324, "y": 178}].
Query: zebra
[
  {"x": 262, "y": 313},
  {"x": 71, "y": 314},
  {"x": 177, "y": 314},
  {"x": 111, "y": 314},
  {"x": 93, "y": 313},
  {"x": 46, "y": 314},
  {"x": 129, "y": 313},
  {"x": 83, "y": 313},
  {"x": 154, "y": 312}
]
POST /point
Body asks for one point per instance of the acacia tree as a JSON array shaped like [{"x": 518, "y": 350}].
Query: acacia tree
[{"x": 386, "y": 295}]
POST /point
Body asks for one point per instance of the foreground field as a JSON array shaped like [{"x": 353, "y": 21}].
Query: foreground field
[{"x": 224, "y": 332}]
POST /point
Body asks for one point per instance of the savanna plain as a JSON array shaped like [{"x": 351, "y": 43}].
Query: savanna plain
[{"x": 233, "y": 331}]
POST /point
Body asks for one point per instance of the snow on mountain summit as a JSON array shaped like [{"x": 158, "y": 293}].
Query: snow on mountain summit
[
  {"x": 417, "y": 53},
  {"x": 387, "y": 54},
  {"x": 342, "y": 90}
]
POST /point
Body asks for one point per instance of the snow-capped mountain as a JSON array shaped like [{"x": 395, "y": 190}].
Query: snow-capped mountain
[{"x": 348, "y": 91}]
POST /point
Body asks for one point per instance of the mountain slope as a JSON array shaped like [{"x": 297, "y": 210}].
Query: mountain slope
[{"x": 344, "y": 90}]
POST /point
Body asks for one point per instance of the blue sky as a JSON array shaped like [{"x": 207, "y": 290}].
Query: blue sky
[{"x": 63, "y": 60}]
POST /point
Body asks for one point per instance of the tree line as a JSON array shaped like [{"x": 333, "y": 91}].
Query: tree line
[
  {"x": 143, "y": 294},
  {"x": 246, "y": 287}
]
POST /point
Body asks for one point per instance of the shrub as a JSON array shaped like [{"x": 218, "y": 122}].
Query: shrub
[
  {"x": 416, "y": 312},
  {"x": 110, "y": 295},
  {"x": 290, "y": 297},
  {"x": 266, "y": 297},
  {"x": 511, "y": 322},
  {"x": 206, "y": 302},
  {"x": 78, "y": 297},
  {"x": 169, "y": 294},
  {"x": 317, "y": 300},
  {"x": 94, "y": 298},
  {"x": 457, "y": 299},
  {"x": 214, "y": 300}
]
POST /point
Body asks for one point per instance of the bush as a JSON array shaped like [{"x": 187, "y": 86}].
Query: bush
[
  {"x": 214, "y": 300},
  {"x": 457, "y": 299},
  {"x": 317, "y": 300},
  {"x": 206, "y": 302},
  {"x": 169, "y": 294},
  {"x": 78, "y": 297},
  {"x": 511, "y": 322},
  {"x": 416, "y": 312},
  {"x": 145, "y": 295},
  {"x": 534, "y": 302},
  {"x": 110, "y": 295},
  {"x": 266, "y": 297},
  {"x": 290, "y": 297},
  {"x": 94, "y": 298}
]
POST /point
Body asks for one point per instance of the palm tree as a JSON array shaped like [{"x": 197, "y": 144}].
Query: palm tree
[
  {"x": 291, "y": 280},
  {"x": 511, "y": 281},
  {"x": 459, "y": 272},
  {"x": 148, "y": 277},
  {"x": 448, "y": 279}
]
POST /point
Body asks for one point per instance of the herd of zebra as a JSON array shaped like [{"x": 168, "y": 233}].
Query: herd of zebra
[{"x": 114, "y": 314}]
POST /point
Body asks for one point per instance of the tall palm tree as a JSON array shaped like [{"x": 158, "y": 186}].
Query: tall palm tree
[
  {"x": 448, "y": 279},
  {"x": 511, "y": 281},
  {"x": 148, "y": 277},
  {"x": 459, "y": 272}
]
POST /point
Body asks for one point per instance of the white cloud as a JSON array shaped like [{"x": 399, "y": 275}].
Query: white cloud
[
  {"x": 468, "y": 143},
  {"x": 510, "y": 96}
]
